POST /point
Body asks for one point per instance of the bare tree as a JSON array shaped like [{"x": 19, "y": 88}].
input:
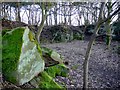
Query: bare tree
[
  {"x": 88, "y": 52},
  {"x": 45, "y": 6}
]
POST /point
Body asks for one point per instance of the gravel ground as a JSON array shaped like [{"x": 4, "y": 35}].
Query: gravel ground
[{"x": 104, "y": 70}]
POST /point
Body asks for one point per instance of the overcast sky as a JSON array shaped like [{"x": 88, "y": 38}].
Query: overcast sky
[{"x": 73, "y": 18}]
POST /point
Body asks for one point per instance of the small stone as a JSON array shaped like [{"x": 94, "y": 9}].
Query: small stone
[
  {"x": 78, "y": 75},
  {"x": 72, "y": 85}
]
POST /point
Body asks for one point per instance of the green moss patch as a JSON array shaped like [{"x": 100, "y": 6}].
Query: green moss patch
[
  {"x": 12, "y": 43},
  {"x": 48, "y": 83},
  {"x": 21, "y": 59},
  {"x": 45, "y": 82},
  {"x": 57, "y": 70}
]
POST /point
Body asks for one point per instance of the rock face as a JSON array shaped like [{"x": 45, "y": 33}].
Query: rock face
[{"x": 22, "y": 56}]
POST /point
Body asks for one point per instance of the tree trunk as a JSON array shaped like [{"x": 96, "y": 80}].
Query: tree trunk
[
  {"x": 55, "y": 14},
  {"x": 10, "y": 13},
  {"x": 108, "y": 27},
  {"x": 65, "y": 19},
  {"x": 88, "y": 52},
  {"x": 35, "y": 22},
  {"x": 79, "y": 15},
  {"x": 40, "y": 28},
  {"x": 4, "y": 12},
  {"x": 1, "y": 10},
  {"x": 50, "y": 19},
  {"x": 46, "y": 20},
  {"x": 95, "y": 17},
  {"x": 19, "y": 18},
  {"x": 119, "y": 12},
  {"x": 70, "y": 13},
  {"x": 29, "y": 21}
]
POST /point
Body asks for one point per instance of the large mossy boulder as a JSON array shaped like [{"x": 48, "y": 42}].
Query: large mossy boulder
[{"x": 21, "y": 56}]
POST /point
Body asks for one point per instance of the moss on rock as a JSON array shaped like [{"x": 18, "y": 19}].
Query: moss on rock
[
  {"x": 47, "y": 82},
  {"x": 57, "y": 70},
  {"x": 21, "y": 59},
  {"x": 12, "y": 43},
  {"x": 51, "y": 57}
]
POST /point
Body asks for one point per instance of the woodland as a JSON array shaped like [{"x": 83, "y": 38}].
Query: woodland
[{"x": 60, "y": 45}]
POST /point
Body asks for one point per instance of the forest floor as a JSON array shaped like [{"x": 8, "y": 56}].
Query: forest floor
[{"x": 104, "y": 64}]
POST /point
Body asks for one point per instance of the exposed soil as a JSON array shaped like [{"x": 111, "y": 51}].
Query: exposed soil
[{"x": 104, "y": 64}]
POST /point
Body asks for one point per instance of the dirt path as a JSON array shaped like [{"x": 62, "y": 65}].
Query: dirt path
[{"x": 104, "y": 64}]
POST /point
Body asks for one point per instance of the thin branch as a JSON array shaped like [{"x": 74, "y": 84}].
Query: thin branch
[{"x": 114, "y": 13}]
